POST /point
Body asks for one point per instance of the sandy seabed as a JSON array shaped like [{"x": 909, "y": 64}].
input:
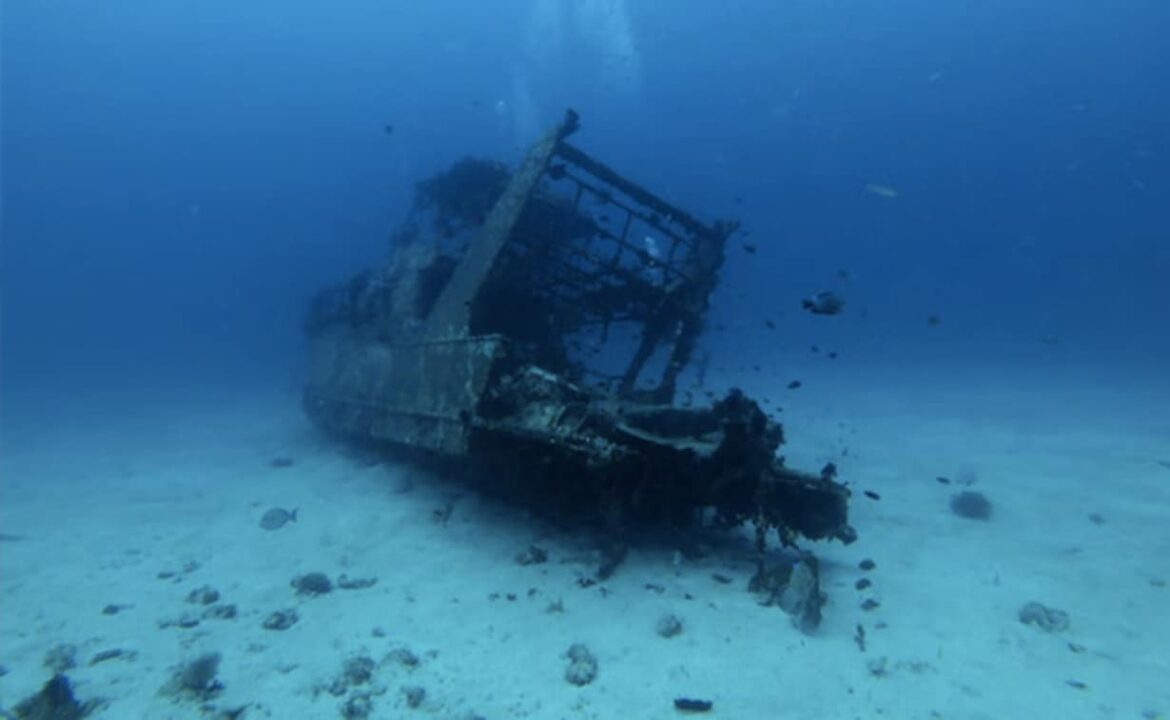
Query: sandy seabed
[{"x": 120, "y": 517}]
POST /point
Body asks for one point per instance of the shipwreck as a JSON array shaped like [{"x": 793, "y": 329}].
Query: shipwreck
[{"x": 539, "y": 323}]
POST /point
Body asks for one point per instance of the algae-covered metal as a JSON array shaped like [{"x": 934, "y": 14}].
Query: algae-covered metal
[{"x": 536, "y": 323}]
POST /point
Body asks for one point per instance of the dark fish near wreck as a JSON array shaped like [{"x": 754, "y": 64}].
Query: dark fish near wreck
[
  {"x": 276, "y": 518},
  {"x": 825, "y": 302}
]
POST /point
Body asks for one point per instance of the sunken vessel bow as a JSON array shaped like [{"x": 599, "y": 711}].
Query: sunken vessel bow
[{"x": 536, "y": 324}]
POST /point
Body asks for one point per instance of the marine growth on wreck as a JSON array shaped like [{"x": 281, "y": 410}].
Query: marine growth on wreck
[{"x": 535, "y": 323}]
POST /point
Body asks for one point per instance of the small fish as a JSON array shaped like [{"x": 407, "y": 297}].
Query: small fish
[
  {"x": 825, "y": 302},
  {"x": 388, "y": 129},
  {"x": 871, "y": 495},
  {"x": 882, "y": 190},
  {"x": 749, "y": 248},
  {"x": 934, "y": 321},
  {"x": 276, "y": 518},
  {"x": 794, "y": 384}
]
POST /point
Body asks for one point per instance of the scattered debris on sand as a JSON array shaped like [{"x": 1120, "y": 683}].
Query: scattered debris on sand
[
  {"x": 61, "y": 658},
  {"x": 312, "y": 584},
  {"x": 532, "y": 556},
  {"x": 113, "y": 654},
  {"x": 115, "y": 608},
  {"x": 414, "y": 696},
  {"x": 204, "y": 595},
  {"x": 281, "y": 620},
  {"x": 693, "y": 705},
  {"x": 971, "y": 505},
  {"x": 1046, "y": 618},
  {"x": 345, "y": 582},
  {"x": 668, "y": 626},
  {"x": 196, "y": 679},
  {"x": 582, "y": 668},
  {"x": 54, "y": 701},
  {"x": 794, "y": 586}
]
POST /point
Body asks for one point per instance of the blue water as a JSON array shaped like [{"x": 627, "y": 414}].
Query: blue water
[{"x": 180, "y": 177}]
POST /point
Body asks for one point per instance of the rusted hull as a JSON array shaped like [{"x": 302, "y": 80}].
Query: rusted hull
[
  {"x": 418, "y": 396},
  {"x": 537, "y": 324}
]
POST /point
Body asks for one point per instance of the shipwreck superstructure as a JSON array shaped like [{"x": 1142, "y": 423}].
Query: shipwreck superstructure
[{"x": 538, "y": 323}]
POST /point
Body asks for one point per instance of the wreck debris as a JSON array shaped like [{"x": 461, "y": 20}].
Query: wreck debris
[
  {"x": 195, "y": 680},
  {"x": 534, "y": 555},
  {"x": 414, "y": 695},
  {"x": 971, "y": 505},
  {"x": 54, "y": 701},
  {"x": 354, "y": 672},
  {"x": 280, "y": 620},
  {"x": 582, "y": 668},
  {"x": 535, "y": 323},
  {"x": 358, "y": 706},
  {"x": 613, "y": 554},
  {"x": 404, "y": 657},
  {"x": 312, "y": 584},
  {"x": 1046, "y": 618},
  {"x": 61, "y": 658},
  {"x": 692, "y": 705},
  {"x": 204, "y": 595},
  {"x": 112, "y": 654},
  {"x": 795, "y": 587},
  {"x": 668, "y": 626},
  {"x": 345, "y": 582}
]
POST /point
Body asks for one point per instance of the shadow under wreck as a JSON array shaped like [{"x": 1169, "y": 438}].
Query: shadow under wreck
[{"x": 536, "y": 323}]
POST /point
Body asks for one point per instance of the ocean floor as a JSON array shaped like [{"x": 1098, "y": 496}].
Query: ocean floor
[{"x": 132, "y": 546}]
